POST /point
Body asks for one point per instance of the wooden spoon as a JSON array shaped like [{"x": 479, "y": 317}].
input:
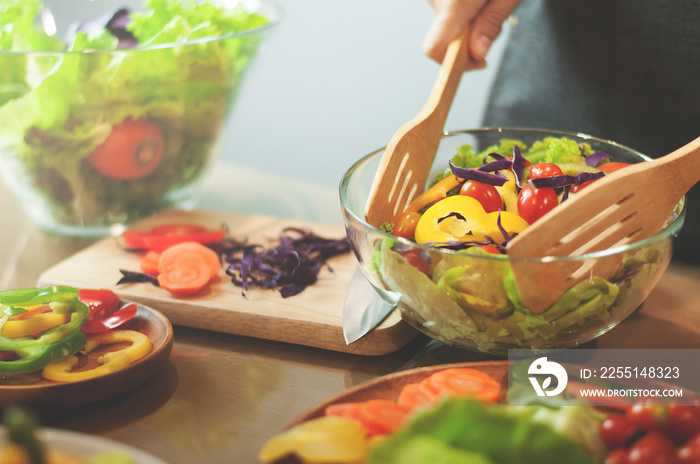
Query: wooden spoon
[
  {"x": 623, "y": 207},
  {"x": 405, "y": 165}
]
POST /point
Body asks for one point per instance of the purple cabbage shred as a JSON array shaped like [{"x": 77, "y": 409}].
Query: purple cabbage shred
[
  {"x": 597, "y": 157},
  {"x": 131, "y": 277},
  {"x": 290, "y": 266}
]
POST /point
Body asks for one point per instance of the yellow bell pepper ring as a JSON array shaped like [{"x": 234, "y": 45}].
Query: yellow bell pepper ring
[
  {"x": 113, "y": 361},
  {"x": 16, "y": 327},
  {"x": 461, "y": 218}
]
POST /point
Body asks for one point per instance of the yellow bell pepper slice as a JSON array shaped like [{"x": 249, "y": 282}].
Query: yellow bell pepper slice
[
  {"x": 113, "y": 361},
  {"x": 16, "y": 327},
  {"x": 471, "y": 223},
  {"x": 434, "y": 193},
  {"x": 509, "y": 192},
  {"x": 323, "y": 440}
]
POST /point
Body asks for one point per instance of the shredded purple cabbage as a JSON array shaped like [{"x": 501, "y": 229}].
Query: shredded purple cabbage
[
  {"x": 597, "y": 157},
  {"x": 478, "y": 175},
  {"x": 115, "y": 23},
  {"x": 290, "y": 266},
  {"x": 518, "y": 166},
  {"x": 131, "y": 277},
  {"x": 564, "y": 180}
]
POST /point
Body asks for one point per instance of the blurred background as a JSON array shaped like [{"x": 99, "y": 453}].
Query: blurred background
[{"x": 335, "y": 81}]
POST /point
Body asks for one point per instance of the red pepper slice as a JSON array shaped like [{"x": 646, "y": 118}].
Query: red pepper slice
[
  {"x": 102, "y": 302},
  {"x": 119, "y": 318},
  {"x": 161, "y": 237}
]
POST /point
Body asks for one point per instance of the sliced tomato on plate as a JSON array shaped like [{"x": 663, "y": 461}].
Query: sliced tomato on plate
[{"x": 163, "y": 236}]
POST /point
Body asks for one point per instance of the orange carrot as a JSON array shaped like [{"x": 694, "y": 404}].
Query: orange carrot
[
  {"x": 189, "y": 252},
  {"x": 185, "y": 279},
  {"x": 149, "y": 263},
  {"x": 379, "y": 417},
  {"x": 464, "y": 382},
  {"x": 412, "y": 397}
]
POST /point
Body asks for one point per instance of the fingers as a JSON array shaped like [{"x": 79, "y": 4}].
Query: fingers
[
  {"x": 487, "y": 26},
  {"x": 453, "y": 16}
]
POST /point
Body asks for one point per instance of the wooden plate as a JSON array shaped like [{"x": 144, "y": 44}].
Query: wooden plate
[
  {"x": 389, "y": 386},
  {"x": 41, "y": 393}
]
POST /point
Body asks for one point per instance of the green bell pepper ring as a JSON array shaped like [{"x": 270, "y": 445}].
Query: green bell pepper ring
[
  {"x": 78, "y": 315},
  {"x": 14, "y": 299},
  {"x": 34, "y": 359}
]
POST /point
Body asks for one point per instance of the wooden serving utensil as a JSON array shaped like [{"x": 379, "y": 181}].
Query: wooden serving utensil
[
  {"x": 407, "y": 159},
  {"x": 623, "y": 207}
]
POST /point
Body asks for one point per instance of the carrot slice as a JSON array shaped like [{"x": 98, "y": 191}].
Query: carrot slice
[
  {"x": 413, "y": 397},
  {"x": 183, "y": 253},
  {"x": 186, "y": 279},
  {"x": 149, "y": 263},
  {"x": 378, "y": 417},
  {"x": 465, "y": 382}
]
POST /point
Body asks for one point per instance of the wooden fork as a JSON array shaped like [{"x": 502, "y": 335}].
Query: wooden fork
[
  {"x": 623, "y": 207},
  {"x": 409, "y": 156}
]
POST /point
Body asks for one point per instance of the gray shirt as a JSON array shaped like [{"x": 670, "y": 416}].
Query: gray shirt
[{"x": 624, "y": 70}]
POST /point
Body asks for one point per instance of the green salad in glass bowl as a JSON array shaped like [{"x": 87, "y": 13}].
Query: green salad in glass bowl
[
  {"x": 107, "y": 119},
  {"x": 445, "y": 258}
]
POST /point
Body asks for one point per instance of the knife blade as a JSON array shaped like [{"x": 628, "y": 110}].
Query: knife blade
[{"x": 364, "y": 308}]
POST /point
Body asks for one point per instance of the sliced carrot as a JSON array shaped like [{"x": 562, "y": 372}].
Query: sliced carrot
[
  {"x": 464, "y": 382},
  {"x": 378, "y": 417},
  {"x": 149, "y": 263},
  {"x": 412, "y": 397},
  {"x": 186, "y": 279},
  {"x": 189, "y": 252}
]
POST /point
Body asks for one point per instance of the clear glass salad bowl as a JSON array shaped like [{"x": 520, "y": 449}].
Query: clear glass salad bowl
[
  {"x": 107, "y": 116},
  {"x": 468, "y": 298}
]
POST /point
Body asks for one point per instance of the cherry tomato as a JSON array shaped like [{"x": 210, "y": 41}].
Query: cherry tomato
[
  {"x": 485, "y": 194},
  {"x": 652, "y": 448},
  {"x": 616, "y": 456},
  {"x": 541, "y": 170},
  {"x": 131, "y": 151},
  {"x": 612, "y": 166},
  {"x": 689, "y": 453},
  {"x": 616, "y": 431},
  {"x": 490, "y": 249},
  {"x": 534, "y": 203},
  {"x": 578, "y": 188},
  {"x": 415, "y": 258},
  {"x": 648, "y": 414},
  {"x": 405, "y": 225},
  {"x": 102, "y": 303},
  {"x": 683, "y": 422}
]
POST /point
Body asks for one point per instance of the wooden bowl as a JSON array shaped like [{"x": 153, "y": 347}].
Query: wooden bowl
[{"x": 35, "y": 391}]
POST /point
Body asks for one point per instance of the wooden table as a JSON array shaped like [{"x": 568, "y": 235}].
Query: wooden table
[{"x": 220, "y": 397}]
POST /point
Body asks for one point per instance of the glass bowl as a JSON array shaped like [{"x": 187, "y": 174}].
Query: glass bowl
[
  {"x": 469, "y": 298},
  {"x": 94, "y": 136}
]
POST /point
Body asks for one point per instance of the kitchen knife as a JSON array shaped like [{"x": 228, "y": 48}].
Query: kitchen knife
[{"x": 364, "y": 308}]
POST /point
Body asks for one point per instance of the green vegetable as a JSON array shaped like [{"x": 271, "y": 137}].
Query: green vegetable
[
  {"x": 35, "y": 358},
  {"x": 21, "y": 428},
  {"x": 557, "y": 150},
  {"x": 27, "y": 297},
  {"x": 493, "y": 431},
  {"x": 55, "y": 109},
  {"x": 112, "y": 457}
]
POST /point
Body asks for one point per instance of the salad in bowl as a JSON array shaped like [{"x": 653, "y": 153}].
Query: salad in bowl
[
  {"x": 106, "y": 120},
  {"x": 445, "y": 261}
]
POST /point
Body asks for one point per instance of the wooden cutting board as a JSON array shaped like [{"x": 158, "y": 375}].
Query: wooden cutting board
[{"x": 311, "y": 318}]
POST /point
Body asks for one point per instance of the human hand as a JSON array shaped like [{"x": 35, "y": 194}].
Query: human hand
[{"x": 486, "y": 18}]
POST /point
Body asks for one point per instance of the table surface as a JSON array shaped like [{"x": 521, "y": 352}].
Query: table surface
[{"x": 220, "y": 396}]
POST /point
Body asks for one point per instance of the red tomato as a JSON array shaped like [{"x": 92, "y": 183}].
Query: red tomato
[
  {"x": 490, "y": 249},
  {"x": 541, "y": 170},
  {"x": 161, "y": 237},
  {"x": 616, "y": 431},
  {"x": 405, "y": 225},
  {"x": 415, "y": 259},
  {"x": 612, "y": 166},
  {"x": 689, "y": 453},
  {"x": 683, "y": 422},
  {"x": 652, "y": 448},
  {"x": 485, "y": 194},
  {"x": 648, "y": 414},
  {"x": 178, "y": 229},
  {"x": 102, "y": 303},
  {"x": 131, "y": 151},
  {"x": 534, "y": 203},
  {"x": 578, "y": 188},
  {"x": 616, "y": 456}
]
